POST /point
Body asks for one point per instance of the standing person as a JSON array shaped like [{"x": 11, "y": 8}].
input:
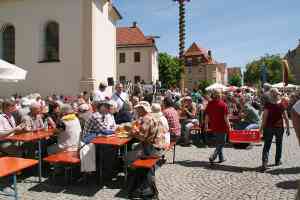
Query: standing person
[
  {"x": 272, "y": 125},
  {"x": 296, "y": 123},
  {"x": 100, "y": 95},
  {"x": 217, "y": 119},
  {"x": 120, "y": 97}
]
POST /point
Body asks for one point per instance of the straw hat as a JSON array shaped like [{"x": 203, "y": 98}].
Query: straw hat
[{"x": 145, "y": 105}]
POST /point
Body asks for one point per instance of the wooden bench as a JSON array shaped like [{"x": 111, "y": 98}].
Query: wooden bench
[
  {"x": 68, "y": 159},
  {"x": 146, "y": 163}
]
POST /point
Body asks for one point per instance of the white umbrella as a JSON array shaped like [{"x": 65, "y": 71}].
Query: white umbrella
[
  {"x": 216, "y": 86},
  {"x": 281, "y": 85},
  {"x": 11, "y": 73}
]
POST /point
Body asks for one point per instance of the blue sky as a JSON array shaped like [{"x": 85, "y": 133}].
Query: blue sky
[{"x": 237, "y": 31}]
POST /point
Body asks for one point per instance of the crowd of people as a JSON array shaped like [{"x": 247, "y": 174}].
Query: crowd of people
[{"x": 156, "y": 119}]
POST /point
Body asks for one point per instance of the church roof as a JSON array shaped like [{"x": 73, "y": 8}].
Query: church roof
[{"x": 133, "y": 36}]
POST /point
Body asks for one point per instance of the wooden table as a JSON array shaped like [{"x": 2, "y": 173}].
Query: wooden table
[
  {"x": 112, "y": 141},
  {"x": 9, "y": 166},
  {"x": 33, "y": 137}
]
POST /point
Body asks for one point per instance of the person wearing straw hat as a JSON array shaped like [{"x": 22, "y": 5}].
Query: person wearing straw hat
[
  {"x": 69, "y": 131},
  {"x": 274, "y": 116},
  {"x": 151, "y": 134}
]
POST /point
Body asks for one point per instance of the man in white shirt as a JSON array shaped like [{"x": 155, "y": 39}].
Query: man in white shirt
[
  {"x": 120, "y": 97},
  {"x": 296, "y": 124},
  {"x": 100, "y": 95},
  {"x": 8, "y": 126}
]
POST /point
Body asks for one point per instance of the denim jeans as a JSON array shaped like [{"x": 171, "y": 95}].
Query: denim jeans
[
  {"x": 268, "y": 136},
  {"x": 220, "y": 143}
]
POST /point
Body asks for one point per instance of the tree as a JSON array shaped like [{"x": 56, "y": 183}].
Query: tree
[
  {"x": 235, "y": 80},
  {"x": 169, "y": 70},
  {"x": 273, "y": 65},
  {"x": 204, "y": 84}
]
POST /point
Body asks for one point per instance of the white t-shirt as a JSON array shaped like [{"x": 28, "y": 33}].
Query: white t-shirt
[
  {"x": 118, "y": 100},
  {"x": 6, "y": 124},
  {"x": 99, "y": 96}
]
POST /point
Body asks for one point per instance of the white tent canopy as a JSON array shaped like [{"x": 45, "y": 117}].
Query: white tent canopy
[
  {"x": 10, "y": 72},
  {"x": 281, "y": 85},
  {"x": 216, "y": 86}
]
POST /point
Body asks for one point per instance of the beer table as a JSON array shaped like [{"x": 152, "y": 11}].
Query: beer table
[
  {"x": 112, "y": 141},
  {"x": 10, "y": 166},
  {"x": 33, "y": 137}
]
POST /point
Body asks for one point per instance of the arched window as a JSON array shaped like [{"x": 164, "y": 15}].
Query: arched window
[
  {"x": 8, "y": 44},
  {"x": 52, "y": 42}
]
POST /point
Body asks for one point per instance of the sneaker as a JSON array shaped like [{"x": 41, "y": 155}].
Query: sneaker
[{"x": 221, "y": 161}]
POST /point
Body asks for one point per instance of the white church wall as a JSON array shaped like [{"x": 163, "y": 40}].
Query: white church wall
[{"x": 29, "y": 17}]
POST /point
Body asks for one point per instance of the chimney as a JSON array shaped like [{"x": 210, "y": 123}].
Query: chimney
[
  {"x": 209, "y": 53},
  {"x": 134, "y": 24}
]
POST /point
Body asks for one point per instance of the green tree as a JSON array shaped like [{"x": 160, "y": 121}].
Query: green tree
[
  {"x": 204, "y": 84},
  {"x": 274, "y": 70},
  {"x": 235, "y": 80},
  {"x": 169, "y": 70}
]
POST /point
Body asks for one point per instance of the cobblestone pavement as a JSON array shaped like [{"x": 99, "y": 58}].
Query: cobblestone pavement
[{"x": 193, "y": 178}]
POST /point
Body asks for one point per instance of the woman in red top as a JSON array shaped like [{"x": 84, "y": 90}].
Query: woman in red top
[
  {"x": 217, "y": 118},
  {"x": 272, "y": 125}
]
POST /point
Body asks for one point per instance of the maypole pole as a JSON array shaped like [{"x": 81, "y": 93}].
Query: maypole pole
[{"x": 182, "y": 39}]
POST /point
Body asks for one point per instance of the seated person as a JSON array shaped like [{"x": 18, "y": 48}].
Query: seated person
[
  {"x": 8, "y": 126},
  {"x": 250, "y": 117},
  {"x": 172, "y": 117},
  {"x": 69, "y": 131},
  {"x": 33, "y": 120},
  {"x": 188, "y": 115},
  {"x": 151, "y": 134},
  {"x": 100, "y": 120},
  {"x": 125, "y": 115},
  {"x": 149, "y": 131},
  {"x": 157, "y": 114}
]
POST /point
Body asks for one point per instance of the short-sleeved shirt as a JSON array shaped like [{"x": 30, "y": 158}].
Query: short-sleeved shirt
[
  {"x": 120, "y": 99},
  {"x": 251, "y": 115},
  {"x": 274, "y": 119},
  {"x": 173, "y": 120},
  {"x": 7, "y": 123},
  {"x": 216, "y": 111}
]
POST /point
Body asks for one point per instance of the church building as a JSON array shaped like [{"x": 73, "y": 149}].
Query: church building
[{"x": 67, "y": 46}]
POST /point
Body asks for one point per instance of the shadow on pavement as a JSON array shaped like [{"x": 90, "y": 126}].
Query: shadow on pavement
[
  {"x": 207, "y": 165},
  {"x": 292, "y": 170},
  {"x": 86, "y": 188},
  {"x": 288, "y": 185}
]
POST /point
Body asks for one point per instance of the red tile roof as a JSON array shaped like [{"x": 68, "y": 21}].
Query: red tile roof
[
  {"x": 133, "y": 36},
  {"x": 195, "y": 51}
]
